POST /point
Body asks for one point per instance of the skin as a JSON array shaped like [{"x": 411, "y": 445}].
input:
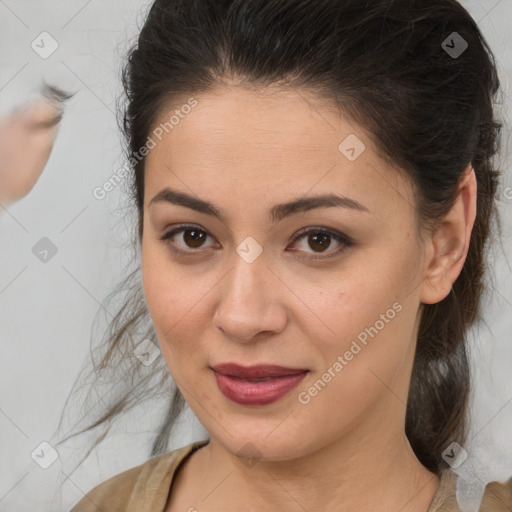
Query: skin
[
  {"x": 346, "y": 449},
  {"x": 27, "y": 136}
]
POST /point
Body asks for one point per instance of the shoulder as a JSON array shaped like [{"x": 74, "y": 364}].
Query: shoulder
[
  {"x": 497, "y": 496},
  {"x": 143, "y": 487}
]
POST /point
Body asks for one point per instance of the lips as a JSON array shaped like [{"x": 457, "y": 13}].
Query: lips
[
  {"x": 256, "y": 372},
  {"x": 256, "y": 385},
  {"x": 261, "y": 392}
]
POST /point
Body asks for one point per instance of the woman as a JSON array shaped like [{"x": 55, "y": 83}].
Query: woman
[{"x": 314, "y": 185}]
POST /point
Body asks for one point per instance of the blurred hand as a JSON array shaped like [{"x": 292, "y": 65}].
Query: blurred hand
[{"x": 27, "y": 136}]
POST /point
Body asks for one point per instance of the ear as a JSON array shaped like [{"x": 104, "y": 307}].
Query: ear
[{"x": 448, "y": 247}]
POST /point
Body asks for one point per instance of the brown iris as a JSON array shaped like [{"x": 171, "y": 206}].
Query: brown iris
[{"x": 196, "y": 238}]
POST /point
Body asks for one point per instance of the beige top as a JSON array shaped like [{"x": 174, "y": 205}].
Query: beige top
[{"x": 145, "y": 488}]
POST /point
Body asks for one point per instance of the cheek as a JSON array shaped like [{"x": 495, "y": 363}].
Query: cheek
[
  {"x": 166, "y": 297},
  {"x": 361, "y": 295},
  {"x": 175, "y": 298},
  {"x": 360, "y": 364},
  {"x": 368, "y": 317}
]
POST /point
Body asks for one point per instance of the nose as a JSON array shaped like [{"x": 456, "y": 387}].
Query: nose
[{"x": 251, "y": 301}]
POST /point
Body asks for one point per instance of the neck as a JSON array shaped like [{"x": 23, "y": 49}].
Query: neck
[{"x": 370, "y": 468}]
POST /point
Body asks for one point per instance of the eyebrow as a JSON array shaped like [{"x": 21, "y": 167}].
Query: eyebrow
[{"x": 276, "y": 213}]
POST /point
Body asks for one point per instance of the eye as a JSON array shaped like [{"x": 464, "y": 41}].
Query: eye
[
  {"x": 319, "y": 239},
  {"x": 192, "y": 238}
]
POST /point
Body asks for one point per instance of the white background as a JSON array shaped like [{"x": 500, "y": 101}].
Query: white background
[{"x": 46, "y": 310}]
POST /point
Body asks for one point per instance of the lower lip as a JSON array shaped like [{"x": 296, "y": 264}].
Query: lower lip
[{"x": 245, "y": 392}]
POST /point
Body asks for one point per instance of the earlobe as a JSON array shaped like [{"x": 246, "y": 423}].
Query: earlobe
[{"x": 450, "y": 243}]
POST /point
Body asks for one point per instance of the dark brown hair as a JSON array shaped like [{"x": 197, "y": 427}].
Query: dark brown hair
[{"x": 386, "y": 65}]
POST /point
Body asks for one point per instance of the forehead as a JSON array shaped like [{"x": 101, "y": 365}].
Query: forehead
[
  {"x": 264, "y": 118},
  {"x": 266, "y": 143}
]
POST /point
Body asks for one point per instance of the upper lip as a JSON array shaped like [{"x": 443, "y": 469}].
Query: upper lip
[{"x": 255, "y": 371}]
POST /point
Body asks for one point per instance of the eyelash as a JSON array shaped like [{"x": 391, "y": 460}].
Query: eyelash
[{"x": 339, "y": 237}]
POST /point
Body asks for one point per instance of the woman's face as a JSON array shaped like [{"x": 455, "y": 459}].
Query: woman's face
[{"x": 252, "y": 288}]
